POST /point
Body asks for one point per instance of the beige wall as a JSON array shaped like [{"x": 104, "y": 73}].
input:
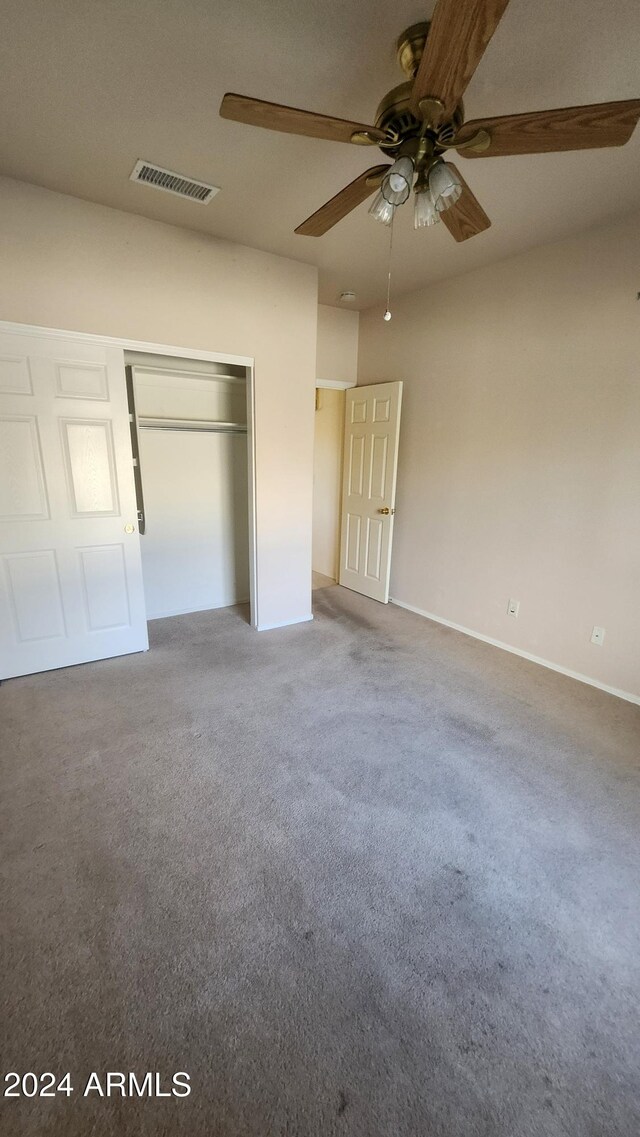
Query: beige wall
[
  {"x": 327, "y": 481},
  {"x": 70, "y": 264},
  {"x": 519, "y": 469},
  {"x": 337, "y": 348}
]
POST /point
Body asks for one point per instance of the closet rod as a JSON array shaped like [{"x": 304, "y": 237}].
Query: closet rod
[
  {"x": 184, "y": 371},
  {"x": 192, "y": 424}
]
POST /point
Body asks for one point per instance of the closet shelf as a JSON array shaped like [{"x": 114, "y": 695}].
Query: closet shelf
[
  {"x": 179, "y": 372},
  {"x": 160, "y": 423}
]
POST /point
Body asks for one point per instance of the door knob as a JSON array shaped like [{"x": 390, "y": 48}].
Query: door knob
[{"x": 384, "y": 509}]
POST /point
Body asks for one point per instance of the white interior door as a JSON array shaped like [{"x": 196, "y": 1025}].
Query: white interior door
[
  {"x": 372, "y": 427},
  {"x": 70, "y": 578}
]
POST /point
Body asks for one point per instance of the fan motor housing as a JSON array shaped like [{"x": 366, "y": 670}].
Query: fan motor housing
[{"x": 394, "y": 115}]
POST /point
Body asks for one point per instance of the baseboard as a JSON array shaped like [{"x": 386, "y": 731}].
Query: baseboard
[
  {"x": 518, "y": 651},
  {"x": 189, "y": 611},
  {"x": 283, "y": 623}
]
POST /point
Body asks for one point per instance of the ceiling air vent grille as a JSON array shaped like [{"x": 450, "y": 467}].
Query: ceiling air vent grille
[{"x": 171, "y": 182}]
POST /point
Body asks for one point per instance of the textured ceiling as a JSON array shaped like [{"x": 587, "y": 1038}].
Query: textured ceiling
[{"x": 87, "y": 89}]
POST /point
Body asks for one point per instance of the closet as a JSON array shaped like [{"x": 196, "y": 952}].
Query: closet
[{"x": 189, "y": 437}]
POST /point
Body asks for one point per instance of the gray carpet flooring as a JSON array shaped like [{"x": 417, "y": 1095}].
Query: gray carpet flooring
[{"x": 364, "y": 877}]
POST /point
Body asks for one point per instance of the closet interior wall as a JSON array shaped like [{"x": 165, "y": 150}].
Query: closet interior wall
[{"x": 190, "y": 431}]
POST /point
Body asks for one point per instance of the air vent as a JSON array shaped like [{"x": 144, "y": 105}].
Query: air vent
[{"x": 171, "y": 182}]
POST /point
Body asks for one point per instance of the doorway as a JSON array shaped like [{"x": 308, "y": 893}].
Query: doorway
[
  {"x": 327, "y": 485},
  {"x": 189, "y": 436}
]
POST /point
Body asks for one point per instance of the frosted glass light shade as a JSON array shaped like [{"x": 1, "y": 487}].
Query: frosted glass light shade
[
  {"x": 396, "y": 184},
  {"x": 424, "y": 211},
  {"x": 445, "y": 186},
  {"x": 382, "y": 209}
]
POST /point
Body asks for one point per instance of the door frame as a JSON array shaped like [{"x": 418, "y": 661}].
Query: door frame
[
  {"x": 336, "y": 384},
  {"x": 182, "y": 353}
]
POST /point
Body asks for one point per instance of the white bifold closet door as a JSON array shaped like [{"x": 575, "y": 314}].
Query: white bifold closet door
[{"x": 70, "y": 570}]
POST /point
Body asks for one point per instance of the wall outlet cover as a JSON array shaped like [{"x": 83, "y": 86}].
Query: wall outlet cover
[
  {"x": 597, "y": 635},
  {"x": 513, "y": 608}
]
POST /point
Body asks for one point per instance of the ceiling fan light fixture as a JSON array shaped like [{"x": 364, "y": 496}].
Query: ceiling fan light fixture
[
  {"x": 424, "y": 117},
  {"x": 396, "y": 184},
  {"x": 445, "y": 186},
  {"x": 424, "y": 211},
  {"x": 382, "y": 209}
]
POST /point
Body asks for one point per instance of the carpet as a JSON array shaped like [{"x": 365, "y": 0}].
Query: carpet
[{"x": 362, "y": 877}]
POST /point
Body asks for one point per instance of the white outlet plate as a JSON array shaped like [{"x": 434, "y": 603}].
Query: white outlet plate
[
  {"x": 513, "y": 608},
  {"x": 597, "y": 635}
]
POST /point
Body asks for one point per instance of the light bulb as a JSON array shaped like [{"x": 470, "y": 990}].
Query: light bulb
[
  {"x": 387, "y": 315},
  {"x": 382, "y": 209},
  {"x": 396, "y": 184},
  {"x": 424, "y": 211},
  {"x": 445, "y": 186}
]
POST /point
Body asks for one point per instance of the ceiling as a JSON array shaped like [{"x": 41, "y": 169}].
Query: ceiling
[{"x": 87, "y": 89}]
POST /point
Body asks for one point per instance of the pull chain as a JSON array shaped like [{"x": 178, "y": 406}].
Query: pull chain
[{"x": 387, "y": 314}]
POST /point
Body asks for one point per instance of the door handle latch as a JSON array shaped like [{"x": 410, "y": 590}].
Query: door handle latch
[{"x": 385, "y": 509}]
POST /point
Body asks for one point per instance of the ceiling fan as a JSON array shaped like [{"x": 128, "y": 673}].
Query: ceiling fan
[{"x": 422, "y": 118}]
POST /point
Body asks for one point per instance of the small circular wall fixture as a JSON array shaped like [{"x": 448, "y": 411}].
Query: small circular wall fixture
[{"x": 348, "y": 296}]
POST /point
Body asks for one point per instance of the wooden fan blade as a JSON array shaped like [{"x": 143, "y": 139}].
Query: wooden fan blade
[
  {"x": 459, "y": 33},
  {"x": 291, "y": 120},
  {"x": 467, "y": 217},
  {"x": 339, "y": 206},
  {"x": 568, "y": 128}
]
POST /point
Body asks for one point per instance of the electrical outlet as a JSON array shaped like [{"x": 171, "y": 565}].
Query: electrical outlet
[
  {"x": 597, "y": 635},
  {"x": 513, "y": 608}
]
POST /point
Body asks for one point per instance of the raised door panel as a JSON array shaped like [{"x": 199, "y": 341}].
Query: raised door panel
[
  {"x": 355, "y": 473},
  {"x": 352, "y": 543},
  {"x": 33, "y": 586},
  {"x": 378, "y": 468},
  {"x": 359, "y": 411},
  {"x": 76, "y": 379},
  {"x": 23, "y": 494},
  {"x": 15, "y": 375},
  {"x": 90, "y": 466},
  {"x": 104, "y": 581},
  {"x": 381, "y": 410},
  {"x": 373, "y": 557}
]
